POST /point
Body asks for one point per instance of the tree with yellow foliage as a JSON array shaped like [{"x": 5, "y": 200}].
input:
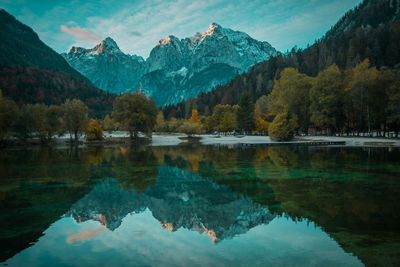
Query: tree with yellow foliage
[
  {"x": 195, "y": 117},
  {"x": 94, "y": 131},
  {"x": 283, "y": 126},
  {"x": 262, "y": 125}
]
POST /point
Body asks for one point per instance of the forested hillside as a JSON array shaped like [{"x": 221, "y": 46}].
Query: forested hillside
[
  {"x": 30, "y": 85},
  {"x": 371, "y": 30}
]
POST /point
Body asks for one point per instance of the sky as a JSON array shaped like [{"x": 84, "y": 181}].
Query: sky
[{"x": 137, "y": 26}]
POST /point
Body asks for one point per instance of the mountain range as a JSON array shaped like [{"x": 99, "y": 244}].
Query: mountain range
[{"x": 177, "y": 69}]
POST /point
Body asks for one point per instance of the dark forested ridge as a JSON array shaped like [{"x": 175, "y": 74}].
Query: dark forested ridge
[
  {"x": 30, "y": 85},
  {"x": 371, "y": 30}
]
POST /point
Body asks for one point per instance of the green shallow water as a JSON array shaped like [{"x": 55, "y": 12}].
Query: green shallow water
[{"x": 200, "y": 205}]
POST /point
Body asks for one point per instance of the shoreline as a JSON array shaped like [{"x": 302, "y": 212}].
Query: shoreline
[{"x": 173, "y": 139}]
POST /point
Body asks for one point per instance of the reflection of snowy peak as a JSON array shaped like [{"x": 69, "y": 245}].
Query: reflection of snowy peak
[
  {"x": 176, "y": 69},
  {"x": 108, "y": 203},
  {"x": 180, "y": 199}
]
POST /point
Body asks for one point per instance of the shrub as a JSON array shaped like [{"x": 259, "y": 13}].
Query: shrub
[
  {"x": 282, "y": 127},
  {"x": 190, "y": 128}
]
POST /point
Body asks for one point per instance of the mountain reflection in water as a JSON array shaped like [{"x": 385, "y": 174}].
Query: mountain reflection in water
[{"x": 260, "y": 205}]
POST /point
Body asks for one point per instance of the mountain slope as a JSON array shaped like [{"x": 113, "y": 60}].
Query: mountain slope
[
  {"x": 176, "y": 69},
  {"x": 31, "y": 72},
  {"x": 371, "y": 30},
  {"x": 20, "y": 45}
]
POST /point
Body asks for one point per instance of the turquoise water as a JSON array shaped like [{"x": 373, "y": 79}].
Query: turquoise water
[{"x": 200, "y": 205}]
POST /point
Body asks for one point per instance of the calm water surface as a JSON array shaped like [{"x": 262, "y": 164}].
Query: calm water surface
[{"x": 200, "y": 205}]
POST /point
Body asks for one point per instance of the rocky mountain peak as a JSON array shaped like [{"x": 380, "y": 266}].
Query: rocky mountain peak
[
  {"x": 214, "y": 27},
  {"x": 76, "y": 50},
  {"x": 108, "y": 45},
  {"x": 168, "y": 40},
  {"x": 107, "y": 66}
]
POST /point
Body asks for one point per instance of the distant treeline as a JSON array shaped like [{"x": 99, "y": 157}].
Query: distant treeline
[
  {"x": 131, "y": 112},
  {"x": 362, "y": 99}
]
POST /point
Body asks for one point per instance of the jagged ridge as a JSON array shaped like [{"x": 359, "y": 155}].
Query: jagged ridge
[{"x": 176, "y": 69}]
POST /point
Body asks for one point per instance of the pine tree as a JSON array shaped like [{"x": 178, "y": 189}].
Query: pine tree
[{"x": 245, "y": 114}]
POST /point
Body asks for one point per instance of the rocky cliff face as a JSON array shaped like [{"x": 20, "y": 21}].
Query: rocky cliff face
[
  {"x": 176, "y": 69},
  {"x": 179, "y": 200},
  {"x": 107, "y": 66}
]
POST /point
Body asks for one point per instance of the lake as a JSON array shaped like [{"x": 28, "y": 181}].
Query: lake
[{"x": 200, "y": 206}]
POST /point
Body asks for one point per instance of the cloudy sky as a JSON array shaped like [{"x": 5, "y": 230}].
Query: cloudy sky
[{"x": 136, "y": 26}]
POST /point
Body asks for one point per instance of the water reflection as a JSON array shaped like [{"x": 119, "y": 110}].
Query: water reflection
[{"x": 232, "y": 197}]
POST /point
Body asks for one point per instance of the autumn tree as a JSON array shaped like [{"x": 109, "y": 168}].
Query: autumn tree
[
  {"x": 75, "y": 117},
  {"x": 283, "y": 126},
  {"x": 135, "y": 113},
  {"x": 94, "y": 131},
  {"x": 227, "y": 122},
  {"x": 262, "y": 125},
  {"x": 195, "y": 117},
  {"x": 261, "y": 107},
  {"x": 173, "y": 124},
  {"x": 223, "y": 119},
  {"x": 108, "y": 124},
  {"x": 327, "y": 99},
  {"x": 361, "y": 86},
  {"x": 291, "y": 94},
  {"x": 160, "y": 122}
]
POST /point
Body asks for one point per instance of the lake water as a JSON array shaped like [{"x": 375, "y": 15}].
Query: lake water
[{"x": 192, "y": 205}]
